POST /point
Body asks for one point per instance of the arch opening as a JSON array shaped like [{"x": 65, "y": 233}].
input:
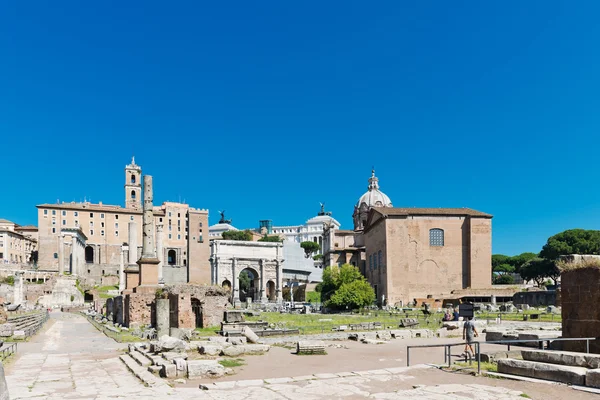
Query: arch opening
[{"x": 89, "y": 254}]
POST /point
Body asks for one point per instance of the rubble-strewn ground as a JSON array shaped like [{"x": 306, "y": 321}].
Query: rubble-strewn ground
[{"x": 70, "y": 359}]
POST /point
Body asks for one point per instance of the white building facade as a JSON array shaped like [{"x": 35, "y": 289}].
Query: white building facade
[{"x": 311, "y": 231}]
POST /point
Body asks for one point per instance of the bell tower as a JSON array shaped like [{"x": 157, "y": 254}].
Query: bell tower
[{"x": 133, "y": 185}]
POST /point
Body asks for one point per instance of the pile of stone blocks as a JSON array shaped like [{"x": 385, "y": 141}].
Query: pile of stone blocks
[
  {"x": 383, "y": 336},
  {"x": 230, "y": 347},
  {"x": 560, "y": 366}
]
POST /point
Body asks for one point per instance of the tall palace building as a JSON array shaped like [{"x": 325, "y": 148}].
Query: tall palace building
[{"x": 92, "y": 240}]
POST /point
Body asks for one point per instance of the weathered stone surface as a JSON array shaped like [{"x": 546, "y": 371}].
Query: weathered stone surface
[
  {"x": 250, "y": 335},
  {"x": 420, "y": 333},
  {"x": 3, "y": 316},
  {"x": 210, "y": 350},
  {"x": 592, "y": 378},
  {"x": 7, "y": 329},
  {"x": 171, "y": 355},
  {"x": 537, "y": 335},
  {"x": 168, "y": 343},
  {"x": 237, "y": 340},
  {"x": 3, "y": 387},
  {"x": 400, "y": 334},
  {"x": 218, "y": 339},
  {"x": 552, "y": 372},
  {"x": 204, "y": 368},
  {"x": 569, "y": 358},
  {"x": 250, "y": 349},
  {"x": 383, "y": 335},
  {"x": 168, "y": 371}
]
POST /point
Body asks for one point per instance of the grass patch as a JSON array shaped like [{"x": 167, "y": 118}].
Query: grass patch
[
  {"x": 210, "y": 331},
  {"x": 231, "y": 363},
  {"x": 485, "y": 366},
  {"x": 107, "y": 288},
  {"x": 310, "y": 324},
  {"x": 525, "y": 395}
]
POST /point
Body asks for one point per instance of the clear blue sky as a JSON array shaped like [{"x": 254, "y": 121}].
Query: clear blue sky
[{"x": 266, "y": 108}]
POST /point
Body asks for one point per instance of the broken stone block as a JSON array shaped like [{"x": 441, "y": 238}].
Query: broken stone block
[
  {"x": 168, "y": 343},
  {"x": 204, "y": 368},
  {"x": 372, "y": 341},
  {"x": 6, "y": 330},
  {"x": 168, "y": 371},
  {"x": 236, "y": 341},
  {"x": 250, "y": 335},
  {"x": 592, "y": 378},
  {"x": 210, "y": 350},
  {"x": 383, "y": 335},
  {"x": 171, "y": 355}
]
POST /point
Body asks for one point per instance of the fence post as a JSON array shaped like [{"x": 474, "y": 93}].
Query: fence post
[
  {"x": 449, "y": 356},
  {"x": 408, "y": 356},
  {"x": 587, "y": 345},
  {"x": 478, "y": 358}
]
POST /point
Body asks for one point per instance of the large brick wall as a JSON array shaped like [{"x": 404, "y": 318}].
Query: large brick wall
[{"x": 580, "y": 300}]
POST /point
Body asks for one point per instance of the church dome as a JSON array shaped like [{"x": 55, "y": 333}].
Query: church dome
[{"x": 374, "y": 197}]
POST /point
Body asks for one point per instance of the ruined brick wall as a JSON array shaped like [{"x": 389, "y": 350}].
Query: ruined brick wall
[
  {"x": 214, "y": 301},
  {"x": 580, "y": 300},
  {"x": 139, "y": 309}
]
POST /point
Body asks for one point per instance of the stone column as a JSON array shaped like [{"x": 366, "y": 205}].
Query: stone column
[
  {"x": 278, "y": 283},
  {"x": 263, "y": 298},
  {"x": 61, "y": 254},
  {"x": 133, "y": 244},
  {"x": 148, "y": 250},
  {"x": 159, "y": 254},
  {"x": 122, "y": 270},
  {"x": 18, "y": 288},
  {"x": 74, "y": 251},
  {"x": 234, "y": 284},
  {"x": 162, "y": 317}
]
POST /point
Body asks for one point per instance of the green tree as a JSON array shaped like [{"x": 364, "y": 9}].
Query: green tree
[
  {"x": 271, "y": 238},
  {"x": 503, "y": 269},
  {"x": 572, "y": 241},
  {"x": 504, "y": 280},
  {"x": 317, "y": 257},
  {"x": 244, "y": 281},
  {"x": 499, "y": 259},
  {"x": 310, "y": 248},
  {"x": 518, "y": 260},
  {"x": 338, "y": 285},
  {"x": 539, "y": 269},
  {"x": 353, "y": 295},
  {"x": 238, "y": 235}
]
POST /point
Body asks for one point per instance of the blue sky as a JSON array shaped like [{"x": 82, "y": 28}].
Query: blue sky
[{"x": 264, "y": 109}]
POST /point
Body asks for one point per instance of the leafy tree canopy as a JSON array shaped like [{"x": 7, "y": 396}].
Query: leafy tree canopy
[
  {"x": 504, "y": 280},
  {"x": 244, "y": 281},
  {"x": 539, "y": 269},
  {"x": 503, "y": 264},
  {"x": 338, "y": 285},
  {"x": 270, "y": 238},
  {"x": 353, "y": 295},
  {"x": 310, "y": 248},
  {"x": 572, "y": 241},
  {"x": 238, "y": 235}
]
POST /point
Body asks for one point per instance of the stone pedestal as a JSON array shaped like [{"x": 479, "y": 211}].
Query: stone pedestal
[
  {"x": 132, "y": 278},
  {"x": 162, "y": 317}
]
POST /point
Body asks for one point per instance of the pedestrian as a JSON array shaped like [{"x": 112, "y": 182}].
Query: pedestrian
[{"x": 469, "y": 333}]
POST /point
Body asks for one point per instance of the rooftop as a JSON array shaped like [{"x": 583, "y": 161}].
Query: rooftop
[{"x": 431, "y": 211}]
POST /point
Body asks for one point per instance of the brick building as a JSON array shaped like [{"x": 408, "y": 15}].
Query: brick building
[{"x": 183, "y": 246}]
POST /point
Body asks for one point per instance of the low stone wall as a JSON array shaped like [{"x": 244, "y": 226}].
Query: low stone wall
[
  {"x": 580, "y": 299},
  {"x": 536, "y": 299}
]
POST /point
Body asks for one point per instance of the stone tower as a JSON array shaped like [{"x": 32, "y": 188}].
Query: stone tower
[{"x": 133, "y": 185}]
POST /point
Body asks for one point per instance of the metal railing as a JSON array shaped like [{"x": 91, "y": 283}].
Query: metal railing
[
  {"x": 7, "y": 350},
  {"x": 448, "y": 346}
]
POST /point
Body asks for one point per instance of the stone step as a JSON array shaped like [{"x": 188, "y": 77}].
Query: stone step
[
  {"x": 142, "y": 373},
  {"x": 140, "y": 358},
  {"x": 569, "y": 358},
  {"x": 551, "y": 372}
]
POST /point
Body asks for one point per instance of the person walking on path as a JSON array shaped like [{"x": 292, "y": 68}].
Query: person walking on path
[{"x": 469, "y": 333}]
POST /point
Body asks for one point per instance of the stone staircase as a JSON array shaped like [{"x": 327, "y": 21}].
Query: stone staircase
[
  {"x": 24, "y": 325},
  {"x": 572, "y": 368},
  {"x": 146, "y": 366}
]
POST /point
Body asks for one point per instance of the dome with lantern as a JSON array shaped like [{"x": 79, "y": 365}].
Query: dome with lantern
[{"x": 373, "y": 197}]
